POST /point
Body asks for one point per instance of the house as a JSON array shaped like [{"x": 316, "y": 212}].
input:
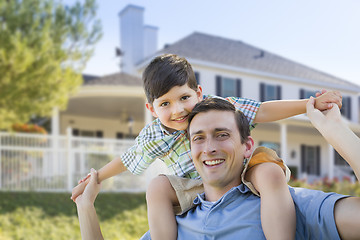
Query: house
[{"x": 113, "y": 106}]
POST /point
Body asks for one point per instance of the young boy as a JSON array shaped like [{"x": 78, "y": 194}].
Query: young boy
[{"x": 172, "y": 92}]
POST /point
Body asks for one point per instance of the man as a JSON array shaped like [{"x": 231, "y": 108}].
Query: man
[{"x": 220, "y": 143}]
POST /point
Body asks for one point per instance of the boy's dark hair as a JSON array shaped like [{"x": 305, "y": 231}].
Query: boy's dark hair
[
  {"x": 165, "y": 72},
  {"x": 219, "y": 104}
]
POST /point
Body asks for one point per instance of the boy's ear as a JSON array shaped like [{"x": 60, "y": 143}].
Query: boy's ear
[
  {"x": 151, "y": 109},
  {"x": 249, "y": 144},
  {"x": 199, "y": 93}
]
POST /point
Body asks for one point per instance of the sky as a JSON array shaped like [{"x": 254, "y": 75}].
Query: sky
[{"x": 322, "y": 34}]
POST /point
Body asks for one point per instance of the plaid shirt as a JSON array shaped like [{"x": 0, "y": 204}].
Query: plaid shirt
[{"x": 154, "y": 141}]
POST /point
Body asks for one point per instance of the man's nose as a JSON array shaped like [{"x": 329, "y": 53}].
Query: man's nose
[{"x": 210, "y": 146}]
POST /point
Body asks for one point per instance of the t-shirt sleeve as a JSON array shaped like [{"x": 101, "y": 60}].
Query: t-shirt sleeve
[
  {"x": 149, "y": 145},
  {"x": 315, "y": 213}
]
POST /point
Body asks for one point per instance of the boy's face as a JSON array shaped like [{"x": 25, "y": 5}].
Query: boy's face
[{"x": 173, "y": 108}]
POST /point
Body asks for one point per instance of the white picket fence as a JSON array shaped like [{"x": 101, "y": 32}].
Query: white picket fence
[{"x": 32, "y": 162}]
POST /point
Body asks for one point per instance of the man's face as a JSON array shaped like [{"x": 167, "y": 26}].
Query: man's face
[
  {"x": 173, "y": 108},
  {"x": 216, "y": 148}
]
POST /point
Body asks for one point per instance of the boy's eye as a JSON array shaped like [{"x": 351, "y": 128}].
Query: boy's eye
[
  {"x": 164, "y": 104},
  {"x": 185, "y": 97}
]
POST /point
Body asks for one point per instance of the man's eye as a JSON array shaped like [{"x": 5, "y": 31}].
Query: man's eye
[
  {"x": 185, "y": 97},
  {"x": 197, "y": 138},
  {"x": 222, "y": 135},
  {"x": 164, "y": 104}
]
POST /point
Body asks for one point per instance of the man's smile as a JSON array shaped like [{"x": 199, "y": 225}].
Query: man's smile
[{"x": 214, "y": 162}]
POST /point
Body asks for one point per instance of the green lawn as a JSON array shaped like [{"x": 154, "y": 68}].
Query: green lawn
[{"x": 52, "y": 216}]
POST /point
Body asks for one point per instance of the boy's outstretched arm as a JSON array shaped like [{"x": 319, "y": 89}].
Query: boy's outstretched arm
[
  {"x": 280, "y": 109},
  {"x": 111, "y": 169}
]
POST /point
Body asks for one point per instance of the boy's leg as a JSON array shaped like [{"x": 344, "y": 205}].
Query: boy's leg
[
  {"x": 161, "y": 198},
  {"x": 278, "y": 218}
]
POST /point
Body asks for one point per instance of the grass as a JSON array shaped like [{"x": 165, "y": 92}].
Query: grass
[
  {"x": 31, "y": 216},
  {"x": 37, "y": 216}
]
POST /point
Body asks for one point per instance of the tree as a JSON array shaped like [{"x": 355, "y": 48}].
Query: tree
[{"x": 44, "y": 46}]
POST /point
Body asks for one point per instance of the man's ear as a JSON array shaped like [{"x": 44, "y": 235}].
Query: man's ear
[
  {"x": 151, "y": 109},
  {"x": 199, "y": 93},
  {"x": 249, "y": 144}
]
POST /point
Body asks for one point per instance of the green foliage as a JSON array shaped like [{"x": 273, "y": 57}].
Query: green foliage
[
  {"x": 53, "y": 216},
  {"x": 44, "y": 46},
  {"x": 342, "y": 187}
]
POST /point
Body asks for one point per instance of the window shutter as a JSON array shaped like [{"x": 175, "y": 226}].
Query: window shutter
[
  {"x": 262, "y": 92},
  {"x": 349, "y": 108},
  {"x": 238, "y": 87},
  {"x": 317, "y": 160},
  {"x": 197, "y": 77},
  {"x": 278, "y": 92},
  {"x": 303, "y": 168},
  {"x": 302, "y": 93},
  {"x": 218, "y": 86},
  {"x": 99, "y": 134}
]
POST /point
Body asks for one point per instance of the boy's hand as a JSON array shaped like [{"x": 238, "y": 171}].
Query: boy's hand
[
  {"x": 85, "y": 178},
  {"x": 321, "y": 120},
  {"x": 79, "y": 189},
  {"x": 325, "y": 100},
  {"x": 91, "y": 191}
]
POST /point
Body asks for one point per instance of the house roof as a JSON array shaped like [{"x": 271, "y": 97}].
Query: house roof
[
  {"x": 235, "y": 53},
  {"x": 115, "y": 79}
]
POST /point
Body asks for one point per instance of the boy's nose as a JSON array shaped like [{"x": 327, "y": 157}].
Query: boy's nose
[{"x": 178, "y": 108}]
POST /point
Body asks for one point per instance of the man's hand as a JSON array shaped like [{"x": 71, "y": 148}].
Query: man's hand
[
  {"x": 325, "y": 99},
  {"x": 91, "y": 190},
  {"x": 79, "y": 189}
]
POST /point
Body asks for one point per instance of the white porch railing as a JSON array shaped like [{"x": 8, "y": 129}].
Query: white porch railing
[{"x": 32, "y": 162}]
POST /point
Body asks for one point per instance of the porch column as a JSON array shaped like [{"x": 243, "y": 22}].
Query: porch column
[
  {"x": 55, "y": 122},
  {"x": 331, "y": 162},
  {"x": 55, "y": 130},
  {"x": 283, "y": 141},
  {"x": 70, "y": 159}
]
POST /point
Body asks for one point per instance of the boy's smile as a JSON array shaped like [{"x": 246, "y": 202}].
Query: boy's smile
[{"x": 173, "y": 108}]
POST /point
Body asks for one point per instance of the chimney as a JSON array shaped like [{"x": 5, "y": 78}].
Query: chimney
[
  {"x": 137, "y": 41},
  {"x": 150, "y": 40}
]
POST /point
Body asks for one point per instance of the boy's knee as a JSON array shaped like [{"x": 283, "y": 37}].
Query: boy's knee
[
  {"x": 159, "y": 187},
  {"x": 270, "y": 175}
]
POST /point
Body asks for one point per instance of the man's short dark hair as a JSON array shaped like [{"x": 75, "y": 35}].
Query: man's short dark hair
[
  {"x": 165, "y": 72},
  {"x": 219, "y": 104}
]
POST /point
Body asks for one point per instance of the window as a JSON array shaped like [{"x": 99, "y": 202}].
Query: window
[
  {"x": 346, "y": 107},
  {"x": 197, "y": 77},
  {"x": 119, "y": 135},
  {"x": 269, "y": 92},
  {"x": 339, "y": 161},
  {"x": 87, "y": 133},
  {"x": 304, "y": 94},
  {"x": 228, "y": 87},
  {"x": 310, "y": 160}
]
